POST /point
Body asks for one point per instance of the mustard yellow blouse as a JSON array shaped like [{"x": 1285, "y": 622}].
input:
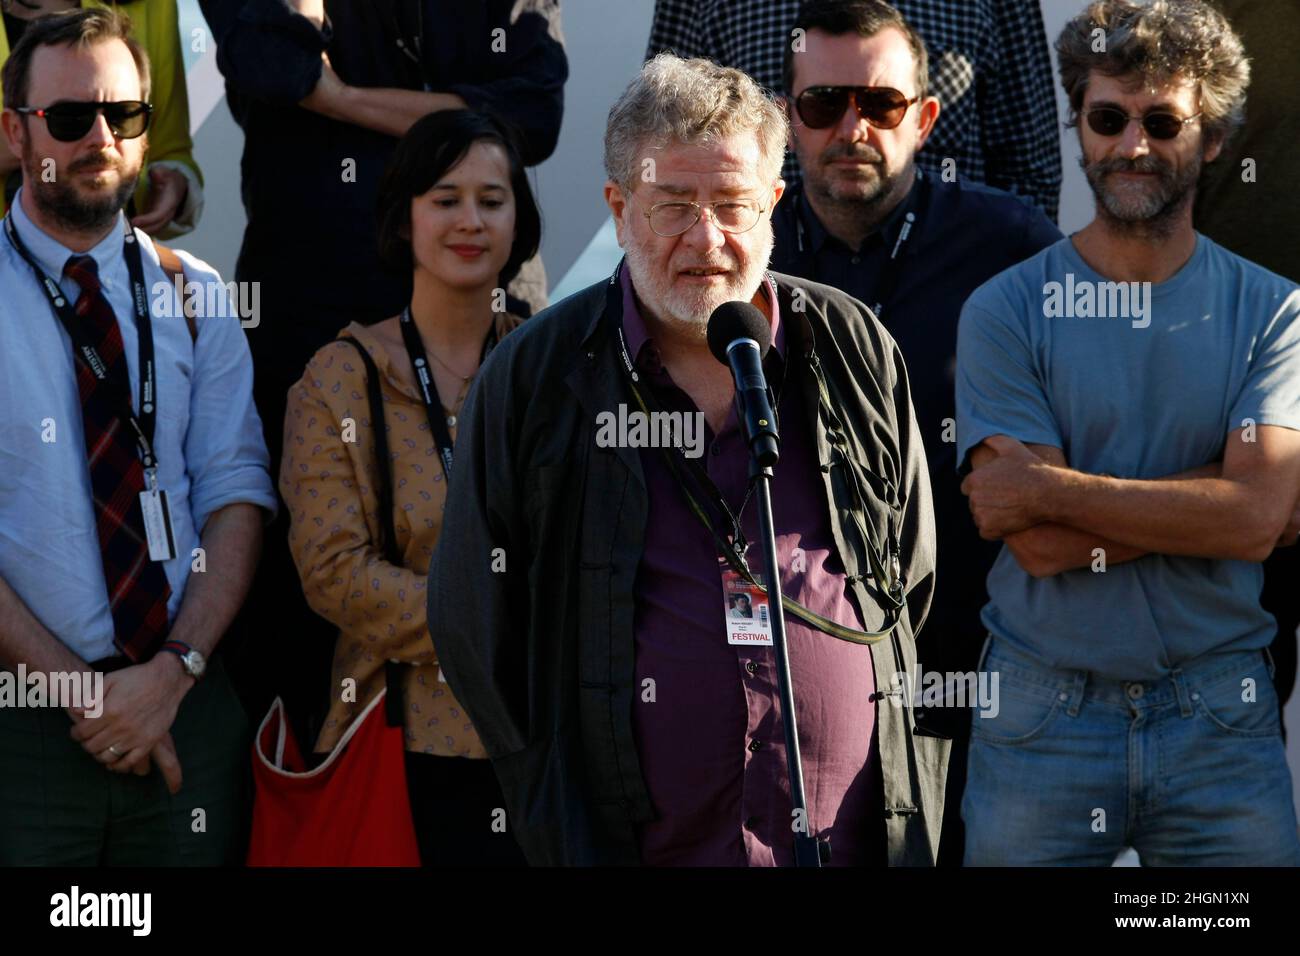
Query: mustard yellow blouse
[{"x": 329, "y": 486}]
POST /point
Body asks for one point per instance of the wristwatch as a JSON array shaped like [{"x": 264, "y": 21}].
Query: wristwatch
[{"x": 193, "y": 662}]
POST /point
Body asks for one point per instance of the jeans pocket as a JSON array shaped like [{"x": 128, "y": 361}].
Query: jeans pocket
[
  {"x": 1241, "y": 703},
  {"x": 1021, "y": 712}
]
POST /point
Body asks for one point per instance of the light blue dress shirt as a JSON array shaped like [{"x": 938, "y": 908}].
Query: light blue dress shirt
[{"x": 208, "y": 437}]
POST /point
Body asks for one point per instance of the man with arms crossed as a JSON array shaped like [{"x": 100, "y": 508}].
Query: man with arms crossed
[{"x": 1138, "y": 463}]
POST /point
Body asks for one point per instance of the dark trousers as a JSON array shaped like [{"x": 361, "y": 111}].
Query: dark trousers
[
  {"x": 455, "y": 802},
  {"x": 60, "y": 807}
]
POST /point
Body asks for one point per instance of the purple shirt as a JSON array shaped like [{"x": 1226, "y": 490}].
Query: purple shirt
[{"x": 712, "y": 744}]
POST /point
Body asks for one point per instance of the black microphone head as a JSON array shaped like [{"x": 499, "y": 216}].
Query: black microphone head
[{"x": 737, "y": 320}]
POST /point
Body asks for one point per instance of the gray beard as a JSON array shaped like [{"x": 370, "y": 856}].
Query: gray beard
[
  {"x": 692, "y": 317},
  {"x": 1153, "y": 217}
]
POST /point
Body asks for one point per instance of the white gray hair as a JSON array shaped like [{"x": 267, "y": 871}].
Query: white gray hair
[{"x": 673, "y": 100}]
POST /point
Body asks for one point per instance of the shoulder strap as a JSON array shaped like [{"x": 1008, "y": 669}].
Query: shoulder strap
[
  {"x": 171, "y": 263},
  {"x": 384, "y": 491}
]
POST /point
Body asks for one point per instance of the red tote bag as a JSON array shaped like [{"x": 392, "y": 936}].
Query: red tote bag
[{"x": 352, "y": 810}]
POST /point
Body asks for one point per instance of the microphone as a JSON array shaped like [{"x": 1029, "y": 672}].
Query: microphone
[{"x": 739, "y": 336}]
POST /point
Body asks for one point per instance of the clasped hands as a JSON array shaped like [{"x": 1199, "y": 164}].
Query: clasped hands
[{"x": 134, "y": 729}]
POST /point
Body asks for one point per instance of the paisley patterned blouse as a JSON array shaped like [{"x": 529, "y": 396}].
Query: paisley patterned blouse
[{"x": 329, "y": 485}]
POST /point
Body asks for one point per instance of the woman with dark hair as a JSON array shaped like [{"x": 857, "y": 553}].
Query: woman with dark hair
[{"x": 454, "y": 208}]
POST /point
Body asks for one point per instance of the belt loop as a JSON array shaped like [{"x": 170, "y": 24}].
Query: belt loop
[
  {"x": 1076, "y": 695},
  {"x": 1180, "y": 688}
]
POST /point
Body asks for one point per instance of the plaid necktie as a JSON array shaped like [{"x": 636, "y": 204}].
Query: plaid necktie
[{"x": 137, "y": 587}]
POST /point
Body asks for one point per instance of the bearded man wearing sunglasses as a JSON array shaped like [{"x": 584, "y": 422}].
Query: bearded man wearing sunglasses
[
  {"x": 133, "y": 478},
  {"x": 1135, "y": 444},
  {"x": 912, "y": 246}
]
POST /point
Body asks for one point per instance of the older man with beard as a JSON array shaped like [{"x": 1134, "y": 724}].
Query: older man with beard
[
  {"x": 578, "y": 597},
  {"x": 1129, "y": 402},
  {"x": 131, "y": 460}
]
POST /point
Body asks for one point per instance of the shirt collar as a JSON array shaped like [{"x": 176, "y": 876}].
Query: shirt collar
[
  {"x": 638, "y": 335},
  {"x": 816, "y": 235},
  {"x": 51, "y": 255}
]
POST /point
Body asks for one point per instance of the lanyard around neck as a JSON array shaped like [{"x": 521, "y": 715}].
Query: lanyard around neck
[
  {"x": 650, "y": 404},
  {"x": 428, "y": 390},
  {"x": 886, "y": 573},
  {"x": 143, "y": 419},
  {"x": 892, "y": 273}
]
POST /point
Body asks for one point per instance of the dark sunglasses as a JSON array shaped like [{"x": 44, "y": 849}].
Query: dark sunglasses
[
  {"x": 69, "y": 122},
  {"x": 1112, "y": 121},
  {"x": 881, "y": 106}
]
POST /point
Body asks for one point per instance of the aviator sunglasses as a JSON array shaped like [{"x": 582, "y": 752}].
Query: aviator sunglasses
[
  {"x": 881, "y": 106},
  {"x": 1159, "y": 124},
  {"x": 69, "y": 122}
]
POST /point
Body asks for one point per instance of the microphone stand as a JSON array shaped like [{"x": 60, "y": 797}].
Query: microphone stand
[{"x": 808, "y": 851}]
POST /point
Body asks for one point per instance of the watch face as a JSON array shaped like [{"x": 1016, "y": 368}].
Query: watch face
[{"x": 195, "y": 664}]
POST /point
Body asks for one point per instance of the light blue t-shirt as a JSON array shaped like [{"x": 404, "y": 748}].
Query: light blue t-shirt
[{"x": 1145, "y": 393}]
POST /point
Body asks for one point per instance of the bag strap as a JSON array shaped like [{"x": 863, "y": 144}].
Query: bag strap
[
  {"x": 384, "y": 491},
  {"x": 171, "y": 263}
]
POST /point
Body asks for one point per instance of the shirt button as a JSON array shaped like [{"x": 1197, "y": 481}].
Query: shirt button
[
  {"x": 716, "y": 449},
  {"x": 855, "y": 260},
  {"x": 1135, "y": 691},
  {"x": 751, "y": 667},
  {"x": 755, "y": 745}
]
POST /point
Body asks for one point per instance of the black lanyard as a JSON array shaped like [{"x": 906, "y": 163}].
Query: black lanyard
[
  {"x": 893, "y": 272},
  {"x": 428, "y": 390},
  {"x": 143, "y": 422},
  {"x": 889, "y": 578},
  {"x": 737, "y": 545}
]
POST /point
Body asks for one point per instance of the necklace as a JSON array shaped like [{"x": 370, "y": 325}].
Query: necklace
[
  {"x": 454, "y": 408},
  {"x": 418, "y": 354},
  {"x": 463, "y": 378}
]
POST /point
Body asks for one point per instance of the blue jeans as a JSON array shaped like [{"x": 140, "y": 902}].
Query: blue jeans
[{"x": 1071, "y": 768}]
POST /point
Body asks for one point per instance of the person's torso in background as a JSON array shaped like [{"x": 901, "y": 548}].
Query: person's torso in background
[
  {"x": 1260, "y": 218},
  {"x": 959, "y": 236}
]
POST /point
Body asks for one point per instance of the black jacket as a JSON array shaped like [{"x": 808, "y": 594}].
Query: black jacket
[
  {"x": 531, "y": 586},
  {"x": 311, "y": 231}
]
